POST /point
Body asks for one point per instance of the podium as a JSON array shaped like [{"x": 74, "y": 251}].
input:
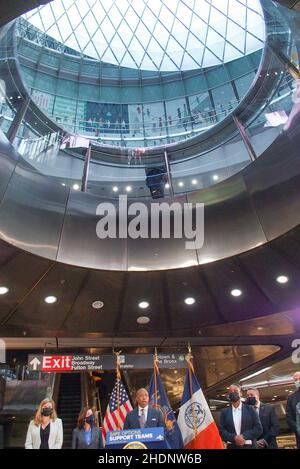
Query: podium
[{"x": 140, "y": 438}]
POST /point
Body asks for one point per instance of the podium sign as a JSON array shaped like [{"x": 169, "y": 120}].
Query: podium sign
[{"x": 140, "y": 438}]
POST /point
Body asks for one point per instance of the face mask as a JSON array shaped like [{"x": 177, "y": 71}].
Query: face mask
[
  {"x": 297, "y": 384},
  {"x": 90, "y": 420},
  {"x": 251, "y": 400},
  {"x": 47, "y": 411},
  {"x": 234, "y": 396}
]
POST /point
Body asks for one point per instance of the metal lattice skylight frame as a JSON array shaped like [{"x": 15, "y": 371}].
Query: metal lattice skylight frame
[{"x": 162, "y": 35}]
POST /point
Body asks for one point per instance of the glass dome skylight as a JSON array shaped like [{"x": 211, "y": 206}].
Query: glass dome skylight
[{"x": 163, "y": 35}]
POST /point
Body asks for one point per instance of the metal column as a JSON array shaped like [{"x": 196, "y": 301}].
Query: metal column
[
  {"x": 85, "y": 174},
  {"x": 15, "y": 125},
  {"x": 169, "y": 173}
]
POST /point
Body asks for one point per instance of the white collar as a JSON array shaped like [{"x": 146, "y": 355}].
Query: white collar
[
  {"x": 145, "y": 409},
  {"x": 237, "y": 408}
]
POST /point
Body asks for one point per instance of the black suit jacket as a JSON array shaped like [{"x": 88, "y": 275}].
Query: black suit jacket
[
  {"x": 78, "y": 440},
  {"x": 270, "y": 424},
  {"x": 154, "y": 419},
  {"x": 291, "y": 416},
  {"x": 251, "y": 427}
]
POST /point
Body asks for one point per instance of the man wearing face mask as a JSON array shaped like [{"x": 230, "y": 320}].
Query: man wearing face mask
[
  {"x": 293, "y": 409},
  {"x": 268, "y": 418},
  {"x": 239, "y": 424}
]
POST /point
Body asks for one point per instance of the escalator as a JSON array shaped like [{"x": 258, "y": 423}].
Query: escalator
[{"x": 69, "y": 404}]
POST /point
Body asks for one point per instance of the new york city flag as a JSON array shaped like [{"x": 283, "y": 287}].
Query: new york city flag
[{"x": 195, "y": 420}]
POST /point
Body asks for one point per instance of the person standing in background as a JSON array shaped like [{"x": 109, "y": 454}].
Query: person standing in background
[
  {"x": 87, "y": 435},
  {"x": 268, "y": 418},
  {"x": 45, "y": 431},
  {"x": 293, "y": 409},
  {"x": 239, "y": 424}
]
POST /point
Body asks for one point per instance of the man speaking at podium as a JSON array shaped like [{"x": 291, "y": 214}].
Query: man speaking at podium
[{"x": 143, "y": 416}]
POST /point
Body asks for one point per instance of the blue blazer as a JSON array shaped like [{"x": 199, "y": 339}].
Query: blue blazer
[
  {"x": 154, "y": 419},
  {"x": 251, "y": 428},
  {"x": 78, "y": 439}
]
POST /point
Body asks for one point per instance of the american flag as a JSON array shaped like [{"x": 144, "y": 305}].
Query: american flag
[{"x": 115, "y": 414}]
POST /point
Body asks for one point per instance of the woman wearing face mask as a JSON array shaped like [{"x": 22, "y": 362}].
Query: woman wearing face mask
[
  {"x": 87, "y": 435},
  {"x": 45, "y": 431}
]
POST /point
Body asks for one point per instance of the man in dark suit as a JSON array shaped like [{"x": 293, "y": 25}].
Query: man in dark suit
[
  {"x": 268, "y": 419},
  {"x": 143, "y": 415},
  {"x": 239, "y": 423},
  {"x": 293, "y": 409}
]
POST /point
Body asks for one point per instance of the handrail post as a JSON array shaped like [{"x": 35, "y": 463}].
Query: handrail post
[{"x": 245, "y": 138}]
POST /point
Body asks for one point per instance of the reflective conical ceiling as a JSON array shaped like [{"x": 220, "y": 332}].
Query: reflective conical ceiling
[{"x": 163, "y": 35}]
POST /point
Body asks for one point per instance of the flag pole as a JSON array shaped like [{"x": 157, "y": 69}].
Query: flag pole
[
  {"x": 118, "y": 373},
  {"x": 156, "y": 371},
  {"x": 190, "y": 371}
]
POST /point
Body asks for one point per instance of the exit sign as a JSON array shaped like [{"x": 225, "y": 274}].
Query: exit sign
[{"x": 51, "y": 363}]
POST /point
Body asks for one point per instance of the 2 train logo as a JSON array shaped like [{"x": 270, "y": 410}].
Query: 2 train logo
[{"x": 296, "y": 353}]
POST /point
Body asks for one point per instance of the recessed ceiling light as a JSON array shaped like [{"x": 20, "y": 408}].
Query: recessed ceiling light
[
  {"x": 143, "y": 320},
  {"x": 190, "y": 301},
  {"x": 50, "y": 299},
  {"x": 167, "y": 186},
  {"x": 63, "y": 184},
  {"x": 236, "y": 292},
  {"x": 194, "y": 182},
  {"x": 115, "y": 189},
  {"x": 260, "y": 328},
  {"x": 144, "y": 305},
  {"x": 282, "y": 279},
  {"x": 76, "y": 187},
  {"x": 97, "y": 304},
  {"x": 180, "y": 184},
  {"x": 128, "y": 188},
  {"x": 3, "y": 290},
  {"x": 216, "y": 177}
]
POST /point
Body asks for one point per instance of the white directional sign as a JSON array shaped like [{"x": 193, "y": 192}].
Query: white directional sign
[{"x": 35, "y": 362}]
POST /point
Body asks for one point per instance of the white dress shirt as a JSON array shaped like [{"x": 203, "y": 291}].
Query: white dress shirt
[
  {"x": 237, "y": 420},
  {"x": 257, "y": 407},
  {"x": 145, "y": 412}
]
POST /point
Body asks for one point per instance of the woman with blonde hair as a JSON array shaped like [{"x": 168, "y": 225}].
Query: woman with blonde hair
[{"x": 45, "y": 431}]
